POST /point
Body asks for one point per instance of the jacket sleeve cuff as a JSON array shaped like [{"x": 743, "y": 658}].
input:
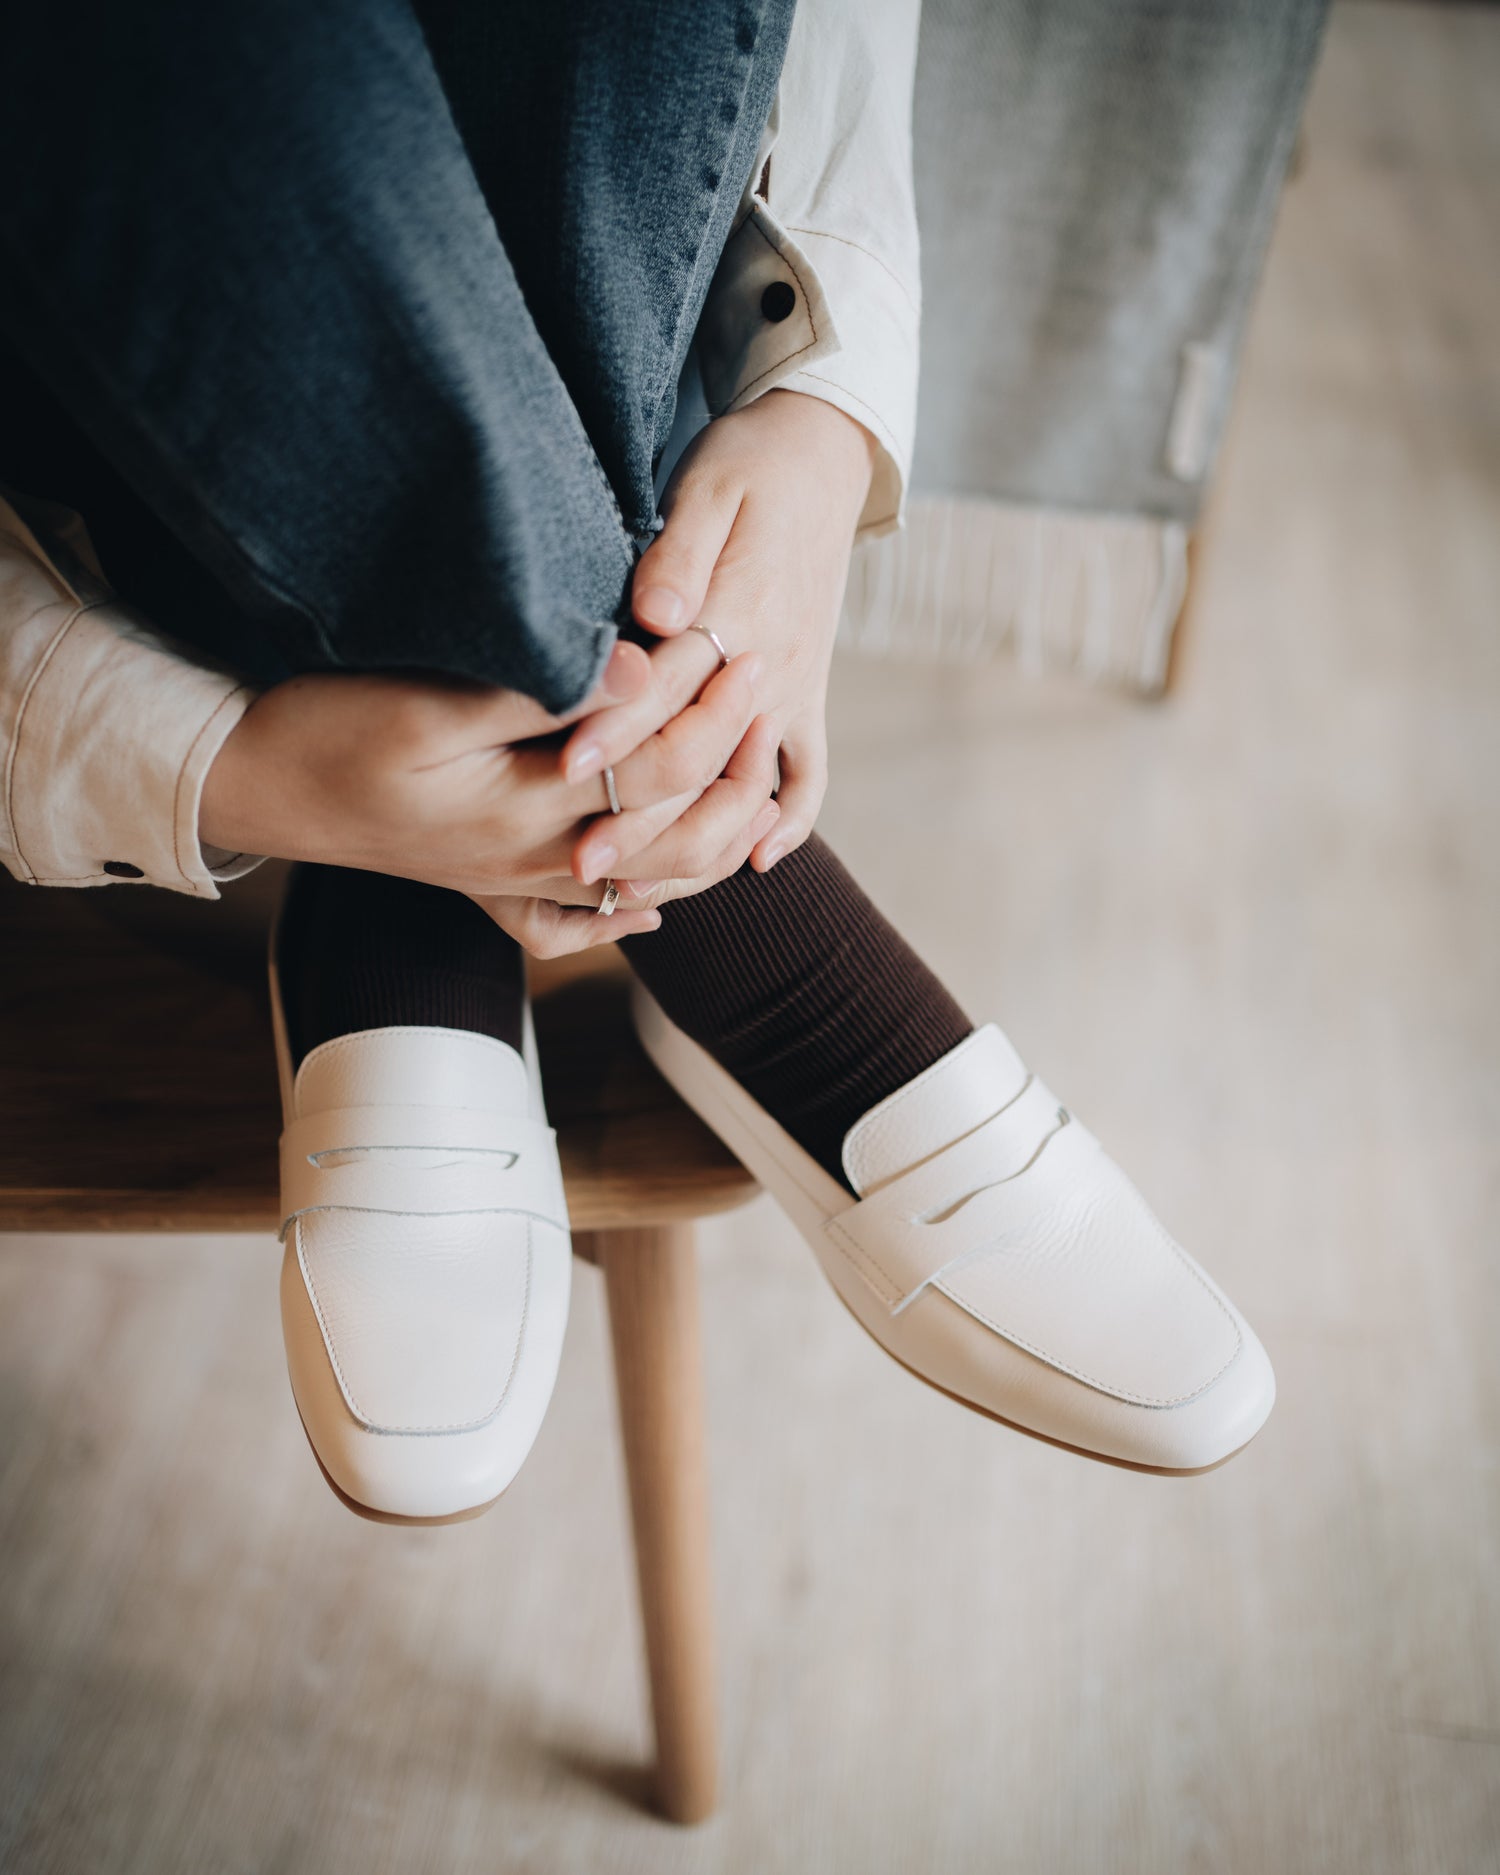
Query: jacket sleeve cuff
[
  {"x": 114, "y": 740},
  {"x": 866, "y": 366},
  {"x": 765, "y": 317},
  {"x": 873, "y": 376}
]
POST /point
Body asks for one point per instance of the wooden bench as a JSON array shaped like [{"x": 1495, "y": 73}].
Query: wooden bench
[{"x": 138, "y": 1092}]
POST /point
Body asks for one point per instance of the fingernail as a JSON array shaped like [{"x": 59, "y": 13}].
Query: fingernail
[
  {"x": 585, "y": 760},
  {"x": 619, "y": 679},
  {"x": 637, "y": 888},
  {"x": 659, "y": 605},
  {"x": 600, "y": 859}
]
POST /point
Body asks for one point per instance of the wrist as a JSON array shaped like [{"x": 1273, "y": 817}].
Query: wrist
[
  {"x": 238, "y": 808},
  {"x": 222, "y": 821},
  {"x": 845, "y": 445}
]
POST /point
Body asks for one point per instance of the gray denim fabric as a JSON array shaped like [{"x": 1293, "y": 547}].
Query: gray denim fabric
[
  {"x": 371, "y": 312},
  {"x": 1096, "y": 181}
]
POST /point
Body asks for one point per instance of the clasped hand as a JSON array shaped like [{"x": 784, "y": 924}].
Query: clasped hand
[{"x": 485, "y": 792}]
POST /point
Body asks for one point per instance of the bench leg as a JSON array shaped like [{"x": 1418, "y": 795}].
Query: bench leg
[{"x": 651, "y": 1280}]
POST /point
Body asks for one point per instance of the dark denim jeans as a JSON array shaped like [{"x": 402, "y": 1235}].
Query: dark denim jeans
[{"x": 376, "y": 310}]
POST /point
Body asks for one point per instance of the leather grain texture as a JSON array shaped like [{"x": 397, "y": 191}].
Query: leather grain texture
[
  {"x": 428, "y": 1263},
  {"x": 1003, "y": 1257}
]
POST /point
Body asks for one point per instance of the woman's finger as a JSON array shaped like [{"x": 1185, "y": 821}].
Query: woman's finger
[
  {"x": 691, "y": 845},
  {"x": 544, "y": 929},
  {"x": 630, "y": 842},
  {"x": 695, "y": 748},
  {"x": 635, "y": 892},
  {"x": 672, "y": 575},
  {"x": 483, "y": 718},
  {"x": 804, "y": 781},
  {"x": 679, "y": 670}
]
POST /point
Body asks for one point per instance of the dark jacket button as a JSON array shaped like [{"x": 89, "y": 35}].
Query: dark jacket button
[
  {"x": 778, "y": 301},
  {"x": 122, "y": 869}
]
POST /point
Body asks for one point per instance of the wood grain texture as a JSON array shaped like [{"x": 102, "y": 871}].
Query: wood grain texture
[
  {"x": 138, "y": 1088},
  {"x": 651, "y": 1287}
]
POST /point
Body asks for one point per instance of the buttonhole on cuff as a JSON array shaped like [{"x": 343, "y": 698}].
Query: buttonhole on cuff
[{"x": 122, "y": 869}]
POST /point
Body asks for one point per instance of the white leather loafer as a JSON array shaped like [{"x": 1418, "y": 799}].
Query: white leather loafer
[
  {"x": 424, "y": 1288},
  {"x": 999, "y": 1254}
]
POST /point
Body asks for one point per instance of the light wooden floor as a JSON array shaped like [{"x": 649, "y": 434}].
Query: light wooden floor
[{"x": 1253, "y": 937}]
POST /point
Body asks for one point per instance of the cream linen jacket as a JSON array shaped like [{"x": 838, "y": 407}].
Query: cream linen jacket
[{"x": 108, "y": 729}]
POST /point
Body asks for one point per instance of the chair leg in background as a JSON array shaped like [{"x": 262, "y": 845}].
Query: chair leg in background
[{"x": 651, "y": 1282}]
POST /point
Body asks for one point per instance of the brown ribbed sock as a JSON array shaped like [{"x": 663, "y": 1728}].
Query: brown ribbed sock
[
  {"x": 360, "y": 951},
  {"x": 800, "y": 989}
]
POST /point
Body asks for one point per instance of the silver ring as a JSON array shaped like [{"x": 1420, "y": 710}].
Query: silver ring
[
  {"x": 610, "y": 790},
  {"x": 611, "y": 898},
  {"x": 714, "y": 639}
]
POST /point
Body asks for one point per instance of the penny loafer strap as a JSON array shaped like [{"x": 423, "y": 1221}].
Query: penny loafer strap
[
  {"x": 912, "y": 1231},
  {"x": 350, "y": 1158}
]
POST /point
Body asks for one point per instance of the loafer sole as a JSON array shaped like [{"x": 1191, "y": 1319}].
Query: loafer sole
[{"x": 1030, "y": 1432}]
